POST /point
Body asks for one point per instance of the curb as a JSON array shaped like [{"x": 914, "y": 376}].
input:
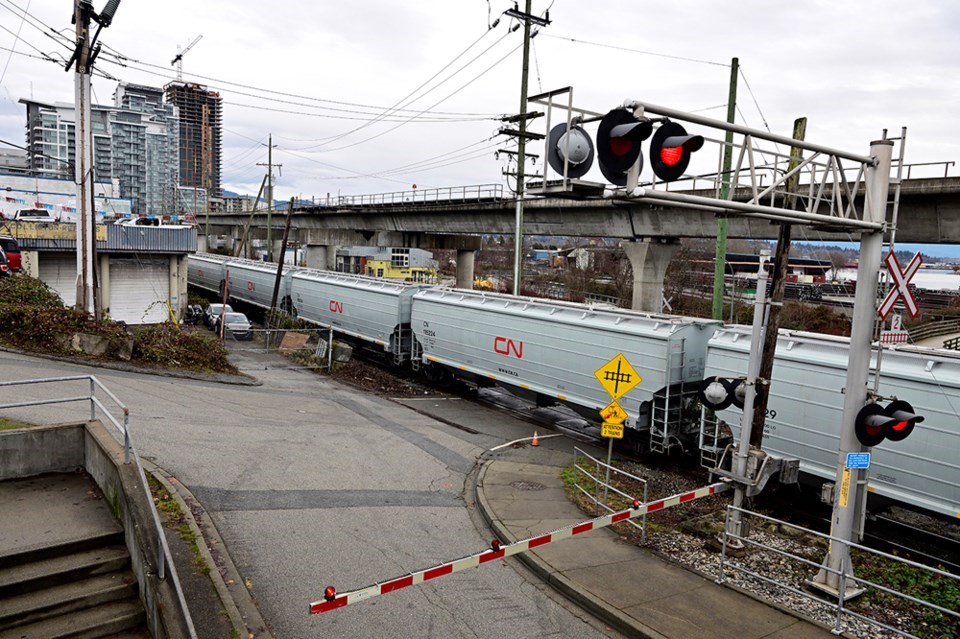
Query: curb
[
  {"x": 598, "y": 607},
  {"x": 236, "y": 599},
  {"x": 217, "y": 378}
]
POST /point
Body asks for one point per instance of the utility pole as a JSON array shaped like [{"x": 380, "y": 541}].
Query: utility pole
[
  {"x": 780, "y": 263},
  {"x": 84, "y": 56},
  {"x": 720, "y": 267},
  {"x": 522, "y": 134},
  {"x": 269, "y": 166}
]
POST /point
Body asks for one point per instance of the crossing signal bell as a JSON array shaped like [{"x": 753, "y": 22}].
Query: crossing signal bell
[
  {"x": 670, "y": 150},
  {"x": 895, "y": 422},
  {"x": 570, "y": 146},
  {"x": 718, "y": 393},
  {"x": 618, "y": 144}
]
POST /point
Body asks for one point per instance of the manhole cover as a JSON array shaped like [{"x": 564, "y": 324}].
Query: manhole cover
[{"x": 527, "y": 485}]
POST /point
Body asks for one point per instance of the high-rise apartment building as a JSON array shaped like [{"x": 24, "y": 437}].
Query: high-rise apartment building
[
  {"x": 145, "y": 137},
  {"x": 200, "y": 135},
  {"x": 51, "y": 139},
  {"x": 135, "y": 143}
]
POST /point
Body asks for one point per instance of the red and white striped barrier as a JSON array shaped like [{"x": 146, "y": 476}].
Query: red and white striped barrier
[{"x": 332, "y": 600}]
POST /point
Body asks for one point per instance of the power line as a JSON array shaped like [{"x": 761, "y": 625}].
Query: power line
[
  {"x": 639, "y": 51},
  {"x": 115, "y": 57},
  {"x": 394, "y": 128},
  {"x": 429, "y": 119},
  {"x": 17, "y": 36},
  {"x": 408, "y": 99}
]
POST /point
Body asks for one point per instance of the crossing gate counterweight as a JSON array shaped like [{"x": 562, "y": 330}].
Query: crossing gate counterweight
[{"x": 332, "y": 600}]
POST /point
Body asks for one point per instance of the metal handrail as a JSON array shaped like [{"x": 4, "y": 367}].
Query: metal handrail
[
  {"x": 441, "y": 195},
  {"x": 934, "y": 329},
  {"x": 842, "y": 574},
  {"x": 164, "y": 556},
  {"x": 607, "y": 486}
]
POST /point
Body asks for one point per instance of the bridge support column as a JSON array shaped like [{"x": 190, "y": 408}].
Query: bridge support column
[
  {"x": 649, "y": 259},
  {"x": 317, "y": 256},
  {"x": 465, "y": 270}
]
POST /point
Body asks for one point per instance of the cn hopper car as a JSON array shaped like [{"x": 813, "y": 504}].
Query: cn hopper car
[{"x": 553, "y": 352}]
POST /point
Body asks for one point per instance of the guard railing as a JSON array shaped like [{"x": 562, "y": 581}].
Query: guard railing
[
  {"x": 99, "y": 409},
  {"x": 790, "y": 570},
  {"x": 592, "y": 478}
]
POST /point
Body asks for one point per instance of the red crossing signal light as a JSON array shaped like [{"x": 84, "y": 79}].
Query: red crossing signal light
[
  {"x": 895, "y": 422},
  {"x": 619, "y": 137},
  {"x": 670, "y": 150}
]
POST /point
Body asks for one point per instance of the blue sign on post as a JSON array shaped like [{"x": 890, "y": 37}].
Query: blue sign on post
[{"x": 858, "y": 460}]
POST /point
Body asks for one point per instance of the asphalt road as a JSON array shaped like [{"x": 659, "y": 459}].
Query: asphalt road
[{"x": 312, "y": 483}]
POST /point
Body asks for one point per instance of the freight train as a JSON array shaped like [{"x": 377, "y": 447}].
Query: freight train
[{"x": 552, "y": 352}]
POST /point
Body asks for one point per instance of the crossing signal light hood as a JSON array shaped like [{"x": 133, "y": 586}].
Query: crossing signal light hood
[
  {"x": 619, "y": 137},
  {"x": 670, "y": 150},
  {"x": 895, "y": 422}
]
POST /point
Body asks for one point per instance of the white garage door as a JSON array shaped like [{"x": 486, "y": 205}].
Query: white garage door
[
  {"x": 59, "y": 272},
  {"x": 139, "y": 290}
]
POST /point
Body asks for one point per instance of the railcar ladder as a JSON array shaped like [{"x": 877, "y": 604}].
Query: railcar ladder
[
  {"x": 710, "y": 439},
  {"x": 666, "y": 413}
]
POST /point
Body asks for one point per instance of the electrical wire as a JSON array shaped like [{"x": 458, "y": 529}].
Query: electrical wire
[
  {"x": 639, "y": 51},
  {"x": 6, "y": 66},
  {"x": 427, "y": 120},
  {"x": 441, "y": 101},
  {"x": 112, "y": 56},
  {"x": 38, "y": 24},
  {"x": 409, "y": 99}
]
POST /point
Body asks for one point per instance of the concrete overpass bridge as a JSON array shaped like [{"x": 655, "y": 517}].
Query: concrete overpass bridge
[{"x": 929, "y": 212}]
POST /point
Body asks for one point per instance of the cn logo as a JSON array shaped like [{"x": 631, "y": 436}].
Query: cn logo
[
  {"x": 251, "y": 286},
  {"x": 508, "y": 347},
  {"x": 336, "y": 307}
]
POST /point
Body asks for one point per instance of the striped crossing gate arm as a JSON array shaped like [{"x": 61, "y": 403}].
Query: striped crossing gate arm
[{"x": 332, "y": 600}]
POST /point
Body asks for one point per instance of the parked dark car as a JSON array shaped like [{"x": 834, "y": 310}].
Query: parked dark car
[
  {"x": 4, "y": 264},
  {"x": 11, "y": 247},
  {"x": 193, "y": 314}
]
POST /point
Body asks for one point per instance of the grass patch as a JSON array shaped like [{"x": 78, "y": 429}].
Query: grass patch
[
  {"x": 921, "y": 584},
  {"x": 173, "y": 517},
  {"x": 13, "y": 424}
]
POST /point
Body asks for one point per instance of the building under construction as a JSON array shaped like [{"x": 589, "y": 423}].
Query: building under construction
[{"x": 200, "y": 135}]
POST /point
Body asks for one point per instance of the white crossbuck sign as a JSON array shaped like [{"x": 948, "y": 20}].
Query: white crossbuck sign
[{"x": 900, "y": 288}]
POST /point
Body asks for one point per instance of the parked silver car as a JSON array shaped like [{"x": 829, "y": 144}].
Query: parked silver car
[
  {"x": 213, "y": 312},
  {"x": 236, "y": 324}
]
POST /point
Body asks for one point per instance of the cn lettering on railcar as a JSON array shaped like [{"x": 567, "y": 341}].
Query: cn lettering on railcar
[
  {"x": 336, "y": 307},
  {"x": 507, "y": 346}
]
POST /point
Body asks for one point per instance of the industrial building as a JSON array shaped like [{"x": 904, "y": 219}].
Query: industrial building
[{"x": 405, "y": 264}]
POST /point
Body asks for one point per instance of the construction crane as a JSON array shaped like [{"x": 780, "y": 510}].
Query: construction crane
[{"x": 178, "y": 60}]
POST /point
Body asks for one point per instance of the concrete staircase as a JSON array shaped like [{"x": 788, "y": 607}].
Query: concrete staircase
[{"x": 64, "y": 568}]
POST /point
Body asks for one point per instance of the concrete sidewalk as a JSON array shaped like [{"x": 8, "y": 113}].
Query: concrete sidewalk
[{"x": 625, "y": 586}]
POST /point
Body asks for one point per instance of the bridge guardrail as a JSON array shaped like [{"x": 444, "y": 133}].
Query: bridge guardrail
[{"x": 469, "y": 193}]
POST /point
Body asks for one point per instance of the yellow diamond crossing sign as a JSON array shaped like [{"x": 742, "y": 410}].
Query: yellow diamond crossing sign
[
  {"x": 618, "y": 377},
  {"x": 613, "y": 413}
]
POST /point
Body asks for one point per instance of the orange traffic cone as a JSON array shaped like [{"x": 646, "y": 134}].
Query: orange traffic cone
[{"x": 536, "y": 439}]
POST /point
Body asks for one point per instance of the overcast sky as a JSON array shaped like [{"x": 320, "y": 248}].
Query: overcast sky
[{"x": 315, "y": 73}]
